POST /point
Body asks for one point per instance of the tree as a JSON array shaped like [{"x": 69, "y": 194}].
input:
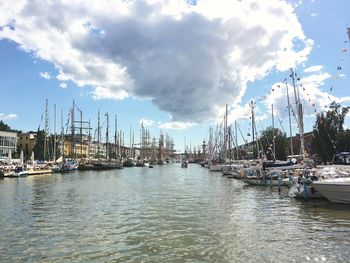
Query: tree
[
  {"x": 39, "y": 145},
  {"x": 329, "y": 135},
  {"x": 281, "y": 143},
  {"x": 5, "y": 127}
]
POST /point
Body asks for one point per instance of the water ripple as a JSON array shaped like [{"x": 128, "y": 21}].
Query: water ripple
[{"x": 165, "y": 214}]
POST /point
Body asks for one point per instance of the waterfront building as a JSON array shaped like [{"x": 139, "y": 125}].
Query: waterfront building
[
  {"x": 8, "y": 142},
  {"x": 26, "y": 143},
  {"x": 80, "y": 149},
  {"x": 97, "y": 149}
]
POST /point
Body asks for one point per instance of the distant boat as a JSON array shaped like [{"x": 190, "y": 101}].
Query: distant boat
[
  {"x": 19, "y": 172},
  {"x": 184, "y": 164}
]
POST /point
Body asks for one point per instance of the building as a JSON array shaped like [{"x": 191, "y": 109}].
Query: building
[
  {"x": 8, "y": 142},
  {"x": 308, "y": 137},
  {"x": 26, "y": 143}
]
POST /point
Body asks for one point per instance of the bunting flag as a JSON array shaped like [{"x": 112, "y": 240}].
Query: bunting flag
[{"x": 344, "y": 50}]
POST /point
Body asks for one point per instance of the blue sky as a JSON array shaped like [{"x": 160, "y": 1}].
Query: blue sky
[{"x": 174, "y": 64}]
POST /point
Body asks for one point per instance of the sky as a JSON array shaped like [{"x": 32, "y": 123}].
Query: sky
[{"x": 172, "y": 65}]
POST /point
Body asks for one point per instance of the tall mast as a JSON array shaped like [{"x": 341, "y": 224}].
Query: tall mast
[
  {"x": 62, "y": 134},
  {"x": 115, "y": 136},
  {"x": 54, "y": 130},
  {"x": 273, "y": 134},
  {"x": 81, "y": 133},
  {"x": 236, "y": 134},
  {"x": 290, "y": 122},
  {"x": 73, "y": 132},
  {"x": 132, "y": 145},
  {"x": 107, "y": 130},
  {"x": 130, "y": 138},
  {"x": 46, "y": 128},
  {"x": 89, "y": 140},
  {"x": 252, "y": 105},
  {"x": 98, "y": 133},
  {"x": 225, "y": 135},
  {"x": 300, "y": 114}
]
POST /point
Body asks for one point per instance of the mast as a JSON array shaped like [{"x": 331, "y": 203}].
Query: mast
[
  {"x": 130, "y": 142},
  {"x": 115, "y": 136},
  {"x": 237, "y": 150},
  {"x": 98, "y": 133},
  {"x": 54, "y": 130},
  {"x": 253, "y": 133},
  {"x": 62, "y": 135},
  {"x": 46, "y": 128},
  {"x": 73, "y": 132},
  {"x": 290, "y": 122},
  {"x": 273, "y": 134},
  {"x": 300, "y": 114},
  {"x": 225, "y": 135},
  {"x": 107, "y": 130},
  {"x": 89, "y": 140},
  {"x": 81, "y": 133}
]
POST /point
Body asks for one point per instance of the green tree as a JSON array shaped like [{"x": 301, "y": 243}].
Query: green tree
[
  {"x": 4, "y": 126},
  {"x": 281, "y": 143},
  {"x": 329, "y": 135},
  {"x": 39, "y": 145}
]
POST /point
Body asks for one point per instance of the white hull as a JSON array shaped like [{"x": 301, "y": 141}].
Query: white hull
[
  {"x": 259, "y": 181},
  {"x": 216, "y": 167},
  {"x": 335, "y": 190},
  {"x": 298, "y": 192}
]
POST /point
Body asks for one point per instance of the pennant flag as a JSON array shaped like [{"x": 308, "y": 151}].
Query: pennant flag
[
  {"x": 344, "y": 50},
  {"x": 348, "y": 32},
  {"x": 331, "y": 88}
]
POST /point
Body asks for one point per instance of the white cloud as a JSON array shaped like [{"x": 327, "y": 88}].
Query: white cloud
[
  {"x": 190, "y": 60},
  {"x": 146, "y": 122},
  {"x": 45, "y": 75},
  {"x": 313, "y": 68},
  {"x": 176, "y": 125},
  {"x": 8, "y": 117},
  {"x": 63, "y": 85},
  {"x": 314, "y": 14}
]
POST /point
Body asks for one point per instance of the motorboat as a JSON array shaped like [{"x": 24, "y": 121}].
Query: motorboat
[{"x": 335, "y": 189}]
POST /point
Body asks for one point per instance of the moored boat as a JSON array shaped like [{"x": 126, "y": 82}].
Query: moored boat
[{"x": 335, "y": 189}]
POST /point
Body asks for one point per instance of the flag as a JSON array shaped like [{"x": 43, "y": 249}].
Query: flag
[
  {"x": 349, "y": 32},
  {"x": 339, "y": 68}
]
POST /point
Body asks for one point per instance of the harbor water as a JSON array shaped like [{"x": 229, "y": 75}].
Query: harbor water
[{"x": 164, "y": 214}]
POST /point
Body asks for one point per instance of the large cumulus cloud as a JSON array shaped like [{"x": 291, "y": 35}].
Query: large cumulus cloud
[{"x": 190, "y": 60}]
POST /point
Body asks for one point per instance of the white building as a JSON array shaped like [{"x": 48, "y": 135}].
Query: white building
[{"x": 8, "y": 142}]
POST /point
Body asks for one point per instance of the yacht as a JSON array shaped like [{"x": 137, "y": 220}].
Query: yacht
[{"x": 335, "y": 189}]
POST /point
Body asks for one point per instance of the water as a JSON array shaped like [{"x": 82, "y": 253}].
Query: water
[{"x": 164, "y": 214}]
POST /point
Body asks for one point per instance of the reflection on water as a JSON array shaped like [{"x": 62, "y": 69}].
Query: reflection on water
[{"x": 165, "y": 214}]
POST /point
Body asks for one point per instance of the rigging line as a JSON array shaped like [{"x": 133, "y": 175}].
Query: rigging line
[
  {"x": 280, "y": 122},
  {"x": 239, "y": 128},
  {"x": 295, "y": 116}
]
